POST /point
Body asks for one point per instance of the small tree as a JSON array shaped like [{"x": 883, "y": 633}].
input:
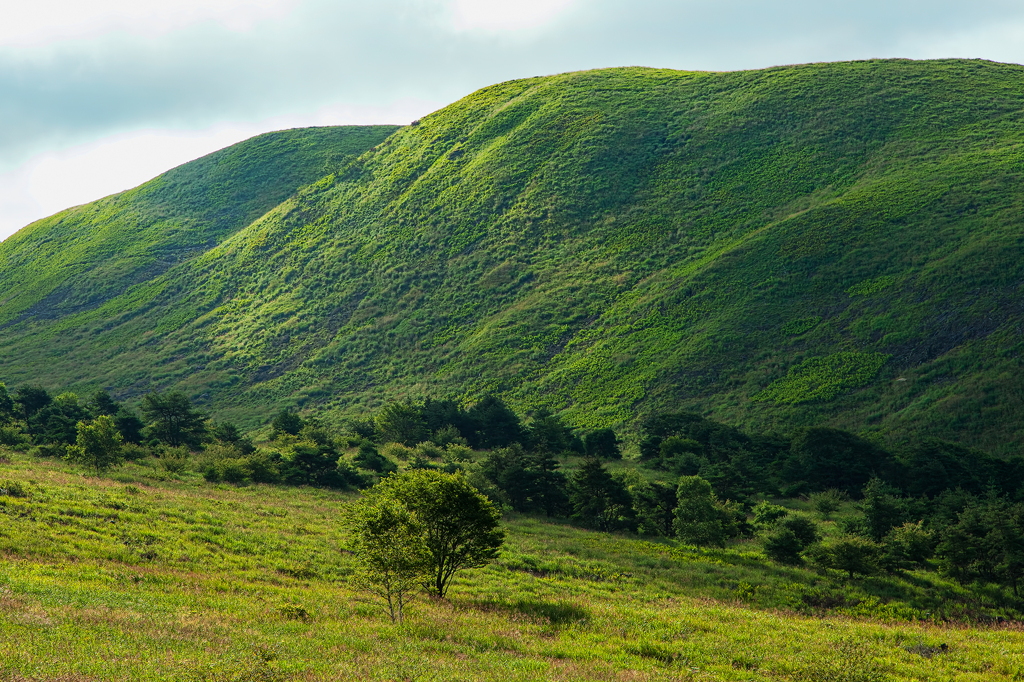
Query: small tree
[
  {"x": 286, "y": 421},
  {"x": 6, "y": 405},
  {"x": 98, "y": 444},
  {"x": 700, "y": 518},
  {"x": 401, "y": 423},
  {"x": 598, "y": 499},
  {"x": 603, "y": 444},
  {"x": 828, "y": 502},
  {"x": 173, "y": 420},
  {"x": 391, "y": 552},
  {"x": 782, "y": 545},
  {"x": 459, "y": 526},
  {"x": 852, "y": 554},
  {"x": 768, "y": 515}
]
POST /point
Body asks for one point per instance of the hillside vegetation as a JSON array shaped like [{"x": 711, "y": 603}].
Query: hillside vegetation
[
  {"x": 156, "y": 576},
  {"x": 821, "y": 244}
]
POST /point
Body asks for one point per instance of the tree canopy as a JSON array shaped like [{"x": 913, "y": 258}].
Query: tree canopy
[{"x": 459, "y": 525}]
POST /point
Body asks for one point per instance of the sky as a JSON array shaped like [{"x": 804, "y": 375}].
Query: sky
[{"x": 100, "y": 96}]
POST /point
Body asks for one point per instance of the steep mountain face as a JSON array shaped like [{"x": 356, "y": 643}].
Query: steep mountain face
[{"x": 831, "y": 244}]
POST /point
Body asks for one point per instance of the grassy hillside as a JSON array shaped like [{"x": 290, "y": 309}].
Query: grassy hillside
[
  {"x": 827, "y": 243},
  {"x": 86, "y": 255},
  {"x": 159, "y": 576}
]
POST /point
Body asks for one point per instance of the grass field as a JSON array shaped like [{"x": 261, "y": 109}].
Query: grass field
[{"x": 149, "y": 575}]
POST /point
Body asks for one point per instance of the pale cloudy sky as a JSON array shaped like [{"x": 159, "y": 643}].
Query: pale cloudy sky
[{"x": 99, "y": 96}]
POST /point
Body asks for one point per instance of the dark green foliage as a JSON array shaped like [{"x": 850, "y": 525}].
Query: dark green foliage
[
  {"x": 907, "y": 547},
  {"x": 401, "y": 423},
  {"x": 495, "y": 424},
  {"x": 852, "y": 554},
  {"x": 654, "y": 505},
  {"x": 803, "y": 529},
  {"x": 460, "y": 526},
  {"x": 226, "y": 432},
  {"x": 286, "y": 422},
  {"x": 768, "y": 514},
  {"x": 827, "y": 502},
  {"x": 832, "y": 458},
  {"x": 931, "y": 466},
  {"x": 368, "y": 458},
  {"x": 6, "y": 405},
  {"x": 171, "y": 419},
  {"x": 700, "y": 518},
  {"x": 986, "y": 543},
  {"x": 31, "y": 399},
  {"x": 598, "y": 499},
  {"x": 603, "y": 444},
  {"x": 56, "y": 422},
  {"x": 441, "y": 414},
  {"x": 782, "y": 545},
  {"x": 129, "y": 425},
  {"x": 529, "y": 481},
  {"x": 101, "y": 403},
  {"x": 548, "y": 433},
  {"x": 884, "y": 509}
]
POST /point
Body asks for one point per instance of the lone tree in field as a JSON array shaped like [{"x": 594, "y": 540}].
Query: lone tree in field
[
  {"x": 458, "y": 525},
  {"x": 98, "y": 444},
  {"x": 392, "y": 555}
]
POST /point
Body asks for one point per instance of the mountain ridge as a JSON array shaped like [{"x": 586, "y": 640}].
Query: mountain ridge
[{"x": 775, "y": 248}]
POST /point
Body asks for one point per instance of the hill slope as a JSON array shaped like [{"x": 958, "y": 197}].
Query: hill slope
[
  {"x": 85, "y": 255},
  {"x": 828, "y": 243}
]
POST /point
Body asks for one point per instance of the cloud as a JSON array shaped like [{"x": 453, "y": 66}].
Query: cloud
[
  {"x": 505, "y": 15},
  {"x": 124, "y": 67},
  {"x": 43, "y": 22},
  {"x": 53, "y": 181}
]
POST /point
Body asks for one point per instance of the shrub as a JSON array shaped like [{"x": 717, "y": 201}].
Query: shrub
[
  {"x": 803, "y": 528},
  {"x": 395, "y": 451},
  {"x": 852, "y": 554},
  {"x": 700, "y": 519},
  {"x": 429, "y": 450},
  {"x": 767, "y": 514},
  {"x": 782, "y": 545},
  {"x": 828, "y": 502}
]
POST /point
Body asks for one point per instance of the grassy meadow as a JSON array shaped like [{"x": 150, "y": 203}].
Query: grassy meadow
[{"x": 154, "y": 575}]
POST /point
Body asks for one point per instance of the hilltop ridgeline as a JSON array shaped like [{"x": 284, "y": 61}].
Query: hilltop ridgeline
[{"x": 820, "y": 244}]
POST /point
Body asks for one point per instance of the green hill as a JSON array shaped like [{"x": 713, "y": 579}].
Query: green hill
[{"x": 829, "y": 244}]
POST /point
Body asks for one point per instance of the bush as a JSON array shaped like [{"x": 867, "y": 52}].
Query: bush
[
  {"x": 286, "y": 422},
  {"x": 828, "y": 502},
  {"x": 395, "y": 451},
  {"x": 905, "y": 547},
  {"x": 852, "y": 554},
  {"x": 767, "y": 514},
  {"x": 700, "y": 519},
  {"x": 429, "y": 450},
  {"x": 448, "y": 435},
  {"x": 782, "y": 545},
  {"x": 174, "y": 460},
  {"x": 12, "y": 437},
  {"x": 368, "y": 458},
  {"x": 803, "y": 528}
]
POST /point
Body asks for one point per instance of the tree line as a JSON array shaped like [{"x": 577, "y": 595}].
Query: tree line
[{"x": 926, "y": 503}]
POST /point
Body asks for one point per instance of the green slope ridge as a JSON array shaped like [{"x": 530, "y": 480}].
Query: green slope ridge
[
  {"x": 85, "y": 255},
  {"x": 827, "y": 243}
]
